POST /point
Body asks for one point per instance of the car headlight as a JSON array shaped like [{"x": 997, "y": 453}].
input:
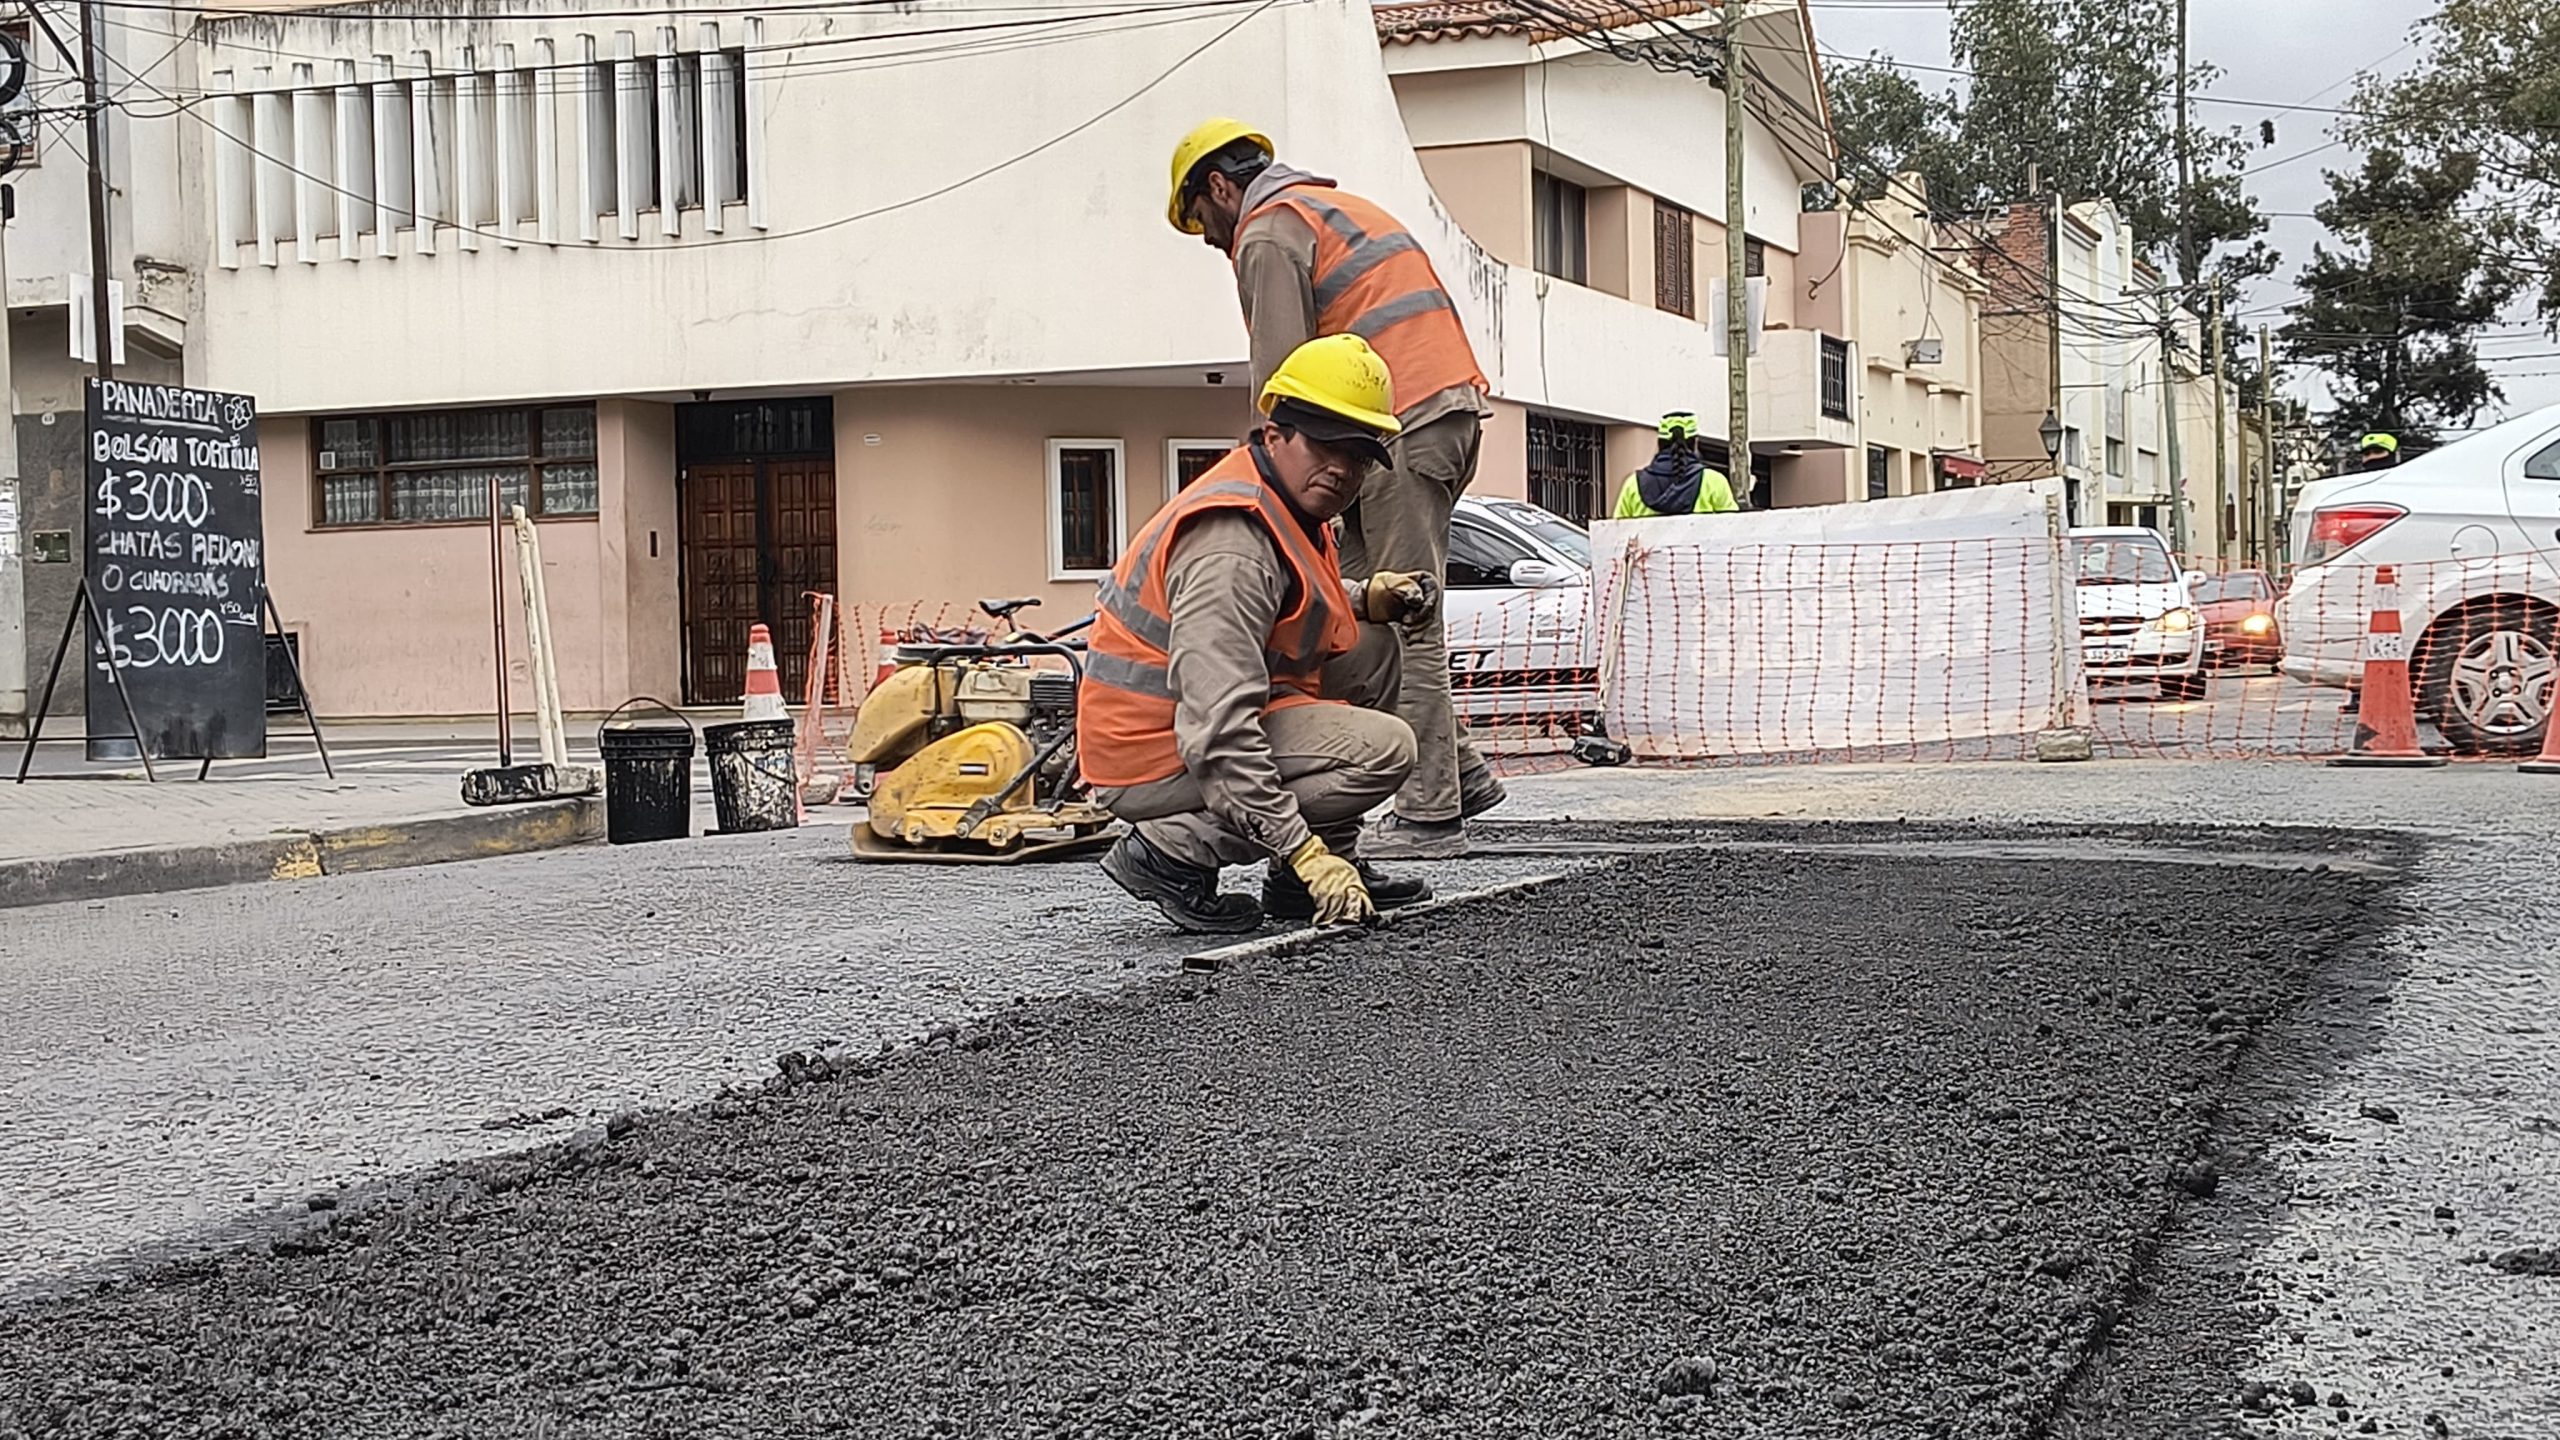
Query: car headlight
[
  {"x": 2257, "y": 625},
  {"x": 2176, "y": 622}
]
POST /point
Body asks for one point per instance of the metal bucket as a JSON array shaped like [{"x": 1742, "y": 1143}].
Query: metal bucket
[{"x": 755, "y": 775}]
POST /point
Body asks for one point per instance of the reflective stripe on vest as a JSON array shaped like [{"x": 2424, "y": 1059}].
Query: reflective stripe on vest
[
  {"x": 1125, "y": 708},
  {"x": 1372, "y": 279}
]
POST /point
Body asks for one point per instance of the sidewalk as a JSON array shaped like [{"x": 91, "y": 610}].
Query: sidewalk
[{"x": 65, "y": 838}]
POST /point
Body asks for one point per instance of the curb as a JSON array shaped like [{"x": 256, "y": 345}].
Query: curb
[{"x": 304, "y": 854}]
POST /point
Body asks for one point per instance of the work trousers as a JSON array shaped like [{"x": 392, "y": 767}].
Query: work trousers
[
  {"x": 1402, "y": 524},
  {"x": 1339, "y": 762}
]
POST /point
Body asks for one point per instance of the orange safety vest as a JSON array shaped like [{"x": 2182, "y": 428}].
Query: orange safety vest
[
  {"x": 1372, "y": 280},
  {"x": 1124, "y": 709}
]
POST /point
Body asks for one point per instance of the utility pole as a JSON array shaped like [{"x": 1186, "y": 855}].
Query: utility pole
[
  {"x": 2075, "y": 507},
  {"x": 2268, "y": 518},
  {"x": 2186, "y": 167},
  {"x": 1737, "y": 302},
  {"x": 101, "y": 272},
  {"x": 2180, "y": 535},
  {"x": 2221, "y": 422}
]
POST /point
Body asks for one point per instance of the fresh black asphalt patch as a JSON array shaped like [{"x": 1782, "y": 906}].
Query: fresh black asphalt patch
[{"x": 1726, "y": 1143}]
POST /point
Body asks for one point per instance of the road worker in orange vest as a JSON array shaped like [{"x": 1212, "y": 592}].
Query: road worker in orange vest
[
  {"x": 1238, "y": 695},
  {"x": 1313, "y": 260}
]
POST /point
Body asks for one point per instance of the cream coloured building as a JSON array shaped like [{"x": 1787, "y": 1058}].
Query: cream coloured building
[
  {"x": 883, "y": 301},
  {"x": 1884, "y": 273}
]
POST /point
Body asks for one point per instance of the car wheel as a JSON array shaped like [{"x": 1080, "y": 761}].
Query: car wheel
[{"x": 2488, "y": 678}]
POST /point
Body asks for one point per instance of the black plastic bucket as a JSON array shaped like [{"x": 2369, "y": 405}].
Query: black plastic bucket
[
  {"x": 755, "y": 775},
  {"x": 648, "y": 775}
]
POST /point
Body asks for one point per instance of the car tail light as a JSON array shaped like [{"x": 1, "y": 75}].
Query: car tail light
[{"x": 2341, "y": 529}]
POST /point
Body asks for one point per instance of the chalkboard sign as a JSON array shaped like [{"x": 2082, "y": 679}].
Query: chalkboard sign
[{"x": 177, "y": 564}]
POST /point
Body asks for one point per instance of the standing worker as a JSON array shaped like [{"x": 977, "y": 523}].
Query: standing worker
[
  {"x": 1677, "y": 481},
  {"x": 2379, "y": 451},
  {"x": 1312, "y": 260},
  {"x": 1234, "y": 707}
]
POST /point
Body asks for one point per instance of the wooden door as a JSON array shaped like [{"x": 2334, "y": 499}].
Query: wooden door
[
  {"x": 722, "y": 587},
  {"x": 757, "y": 537},
  {"x": 800, "y": 542}
]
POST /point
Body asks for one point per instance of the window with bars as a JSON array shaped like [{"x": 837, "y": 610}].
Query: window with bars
[
  {"x": 435, "y": 467},
  {"x": 1675, "y": 259},
  {"x": 1755, "y": 257},
  {"x": 1086, "y": 502},
  {"x": 1879, "y": 472},
  {"x": 1835, "y": 378},
  {"x": 1188, "y": 460},
  {"x": 1565, "y": 459}
]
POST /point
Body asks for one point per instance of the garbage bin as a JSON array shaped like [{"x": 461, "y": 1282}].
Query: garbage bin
[
  {"x": 755, "y": 775},
  {"x": 648, "y": 774}
]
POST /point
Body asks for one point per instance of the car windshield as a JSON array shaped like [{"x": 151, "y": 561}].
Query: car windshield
[
  {"x": 1560, "y": 534},
  {"x": 2122, "y": 562},
  {"x": 2242, "y": 585}
]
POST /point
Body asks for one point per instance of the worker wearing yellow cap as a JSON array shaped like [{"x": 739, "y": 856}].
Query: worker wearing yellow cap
[
  {"x": 1237, "y": 697},
  {"x": 2379, "y": 451},
  {"x": 1311, "y": 259}
]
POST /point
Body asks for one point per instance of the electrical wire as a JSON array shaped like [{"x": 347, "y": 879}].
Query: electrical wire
[{"x": 1060, "y": 138}]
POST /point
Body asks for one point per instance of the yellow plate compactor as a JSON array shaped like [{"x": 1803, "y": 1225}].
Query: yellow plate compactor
[{"x": 972, "y": 749}]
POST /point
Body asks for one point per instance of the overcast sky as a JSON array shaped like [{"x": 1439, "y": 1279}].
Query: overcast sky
[{"x": 2293, "y": 52}]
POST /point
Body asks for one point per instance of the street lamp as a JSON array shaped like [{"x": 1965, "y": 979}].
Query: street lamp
[{"x": 2051, "y": 433}]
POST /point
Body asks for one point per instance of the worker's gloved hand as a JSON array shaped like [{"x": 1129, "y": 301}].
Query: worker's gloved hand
[
  {"x": 1395, "y": 598},
  {"x": 1341, "y": 897}
]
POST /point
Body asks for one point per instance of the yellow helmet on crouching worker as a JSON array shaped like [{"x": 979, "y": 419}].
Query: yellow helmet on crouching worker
[
  {"x": 1337, "y": 390},
  {"x": 1205, "y": 140}
]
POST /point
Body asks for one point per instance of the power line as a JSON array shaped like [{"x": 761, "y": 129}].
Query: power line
[{"x": 1060, "y": 138}]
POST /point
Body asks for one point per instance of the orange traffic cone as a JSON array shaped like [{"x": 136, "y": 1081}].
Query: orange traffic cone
[
  {"x": 764, "y": 681},
  {"x": 2387, "y": 727},
  {"x": 2548, "y": 762}
]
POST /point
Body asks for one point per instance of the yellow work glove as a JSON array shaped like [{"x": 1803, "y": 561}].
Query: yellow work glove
[
  {"x": 1398, "y": 599},
  {"x": 1342, "y": 898}
]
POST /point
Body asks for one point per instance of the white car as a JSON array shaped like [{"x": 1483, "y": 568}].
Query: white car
[
  {"x": 1519, "y": 595},
  {"x": 2138, "y": 619},
  {"x": 2474, "y": 530}
]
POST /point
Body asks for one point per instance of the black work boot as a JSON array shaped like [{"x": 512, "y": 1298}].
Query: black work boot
[
  {"x": 1285, "y": 897},
  {"x": 1480, "y": 794},
  {"x": 1188, "y": 896}
]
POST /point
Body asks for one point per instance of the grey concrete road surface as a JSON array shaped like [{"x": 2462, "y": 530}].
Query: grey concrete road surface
[{"x": 168, "y": 1066}]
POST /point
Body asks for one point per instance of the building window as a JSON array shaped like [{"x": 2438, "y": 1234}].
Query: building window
[
  {"x": 2115, "y": 457},
  {"x": 1188, "y": 460},
  {"x": 1564, "y": 231},
  {"x": 21, "y": 129},
  {"x": 1879, "y": 472},
  {"x": 1835, "y": 378},
  {"x": 1755, "y": 258},
  {"x": 435, "y": 467},
  {"x": 1565, "y": 457},
  {"x": 1086, "y": 500},
  {"x": 1675, "y": 259}
]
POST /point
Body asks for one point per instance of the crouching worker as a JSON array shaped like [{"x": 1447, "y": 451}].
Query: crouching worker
[{"x": 1238, "y": 698}]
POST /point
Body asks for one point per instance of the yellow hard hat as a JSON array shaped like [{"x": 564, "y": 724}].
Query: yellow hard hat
[
  {"x": 1342, "y": 377},
  {"x": 1205, "y": 140}
]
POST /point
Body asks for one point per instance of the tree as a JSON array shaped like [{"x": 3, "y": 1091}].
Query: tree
[
  {"x": 2080, "y": 95},
  {"x": 2388, "y": 316},
  {"x": 1881, "y": 115},
  {"x": 2484, "y": 93}
]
